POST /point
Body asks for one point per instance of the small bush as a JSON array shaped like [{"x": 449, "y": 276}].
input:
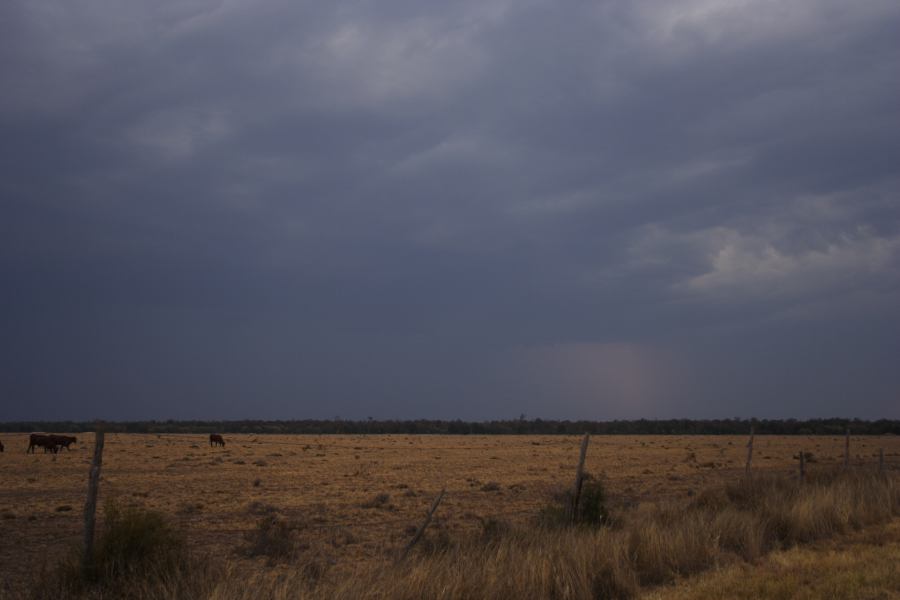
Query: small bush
[
  {"x": 591, "y": 510},
  {"x": 435, "y": 541},
  {"x": 190, "y": 508},
  {"x": 493, "y": 529},
  {"x": 377, "y": 501},
  {"x": 272, "y": 538},
  {"x": 137, "y": 540},
  {"x": 592, "y": 504},
  {"x": 135, "y": 548},
  {"x": 260, "y": 509}
]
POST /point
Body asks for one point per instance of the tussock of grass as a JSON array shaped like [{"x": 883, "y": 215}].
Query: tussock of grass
[
  {"x": 272, "y": 538},
  {"x": 377, "y": 501},
  {"x": 591, "y": 510}
]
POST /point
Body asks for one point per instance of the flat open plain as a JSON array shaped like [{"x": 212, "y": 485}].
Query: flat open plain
[{"x": 329, "y": 485}]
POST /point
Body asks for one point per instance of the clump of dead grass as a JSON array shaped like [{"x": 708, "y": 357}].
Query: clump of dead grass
[
  {"x": 381, "y": 500},
  {"x": 273, "y": 538}
]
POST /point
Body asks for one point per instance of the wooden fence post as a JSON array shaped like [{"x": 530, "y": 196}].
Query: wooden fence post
[
  {"x": 847, "y": 448},
  {"x": 749, "y": 452},
  {"x": 881, "y": 460},
  {"x": 579, "y": 477},
  {"x": 802, "y": 466},
  {"x": 90, "y": 505},
  {"x": 422, "y": 527}
]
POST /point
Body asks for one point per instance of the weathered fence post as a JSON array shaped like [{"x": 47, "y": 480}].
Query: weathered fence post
[
  {"x": 802, "y": 466},
  {"x": 90, "y": 505},
  {"x": 847, "y": 448},
  {"x": 881, "y": 460},
  {"x": 749, "y": 452},
  {"x": 579, "y": 477},
  {"x": 422, "y": 527}
]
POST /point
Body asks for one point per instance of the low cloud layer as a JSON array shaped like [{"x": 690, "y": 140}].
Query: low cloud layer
[{"x": 471, "y": 209}]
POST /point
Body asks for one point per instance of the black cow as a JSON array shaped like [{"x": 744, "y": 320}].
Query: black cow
[{"x": 216, "y": 440}]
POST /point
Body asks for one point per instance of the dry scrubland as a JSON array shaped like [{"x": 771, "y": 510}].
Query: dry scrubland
[{"x": 351, "y": 502}]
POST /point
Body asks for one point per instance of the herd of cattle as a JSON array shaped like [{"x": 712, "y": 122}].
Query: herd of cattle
[{"x": 52, "y": 442}]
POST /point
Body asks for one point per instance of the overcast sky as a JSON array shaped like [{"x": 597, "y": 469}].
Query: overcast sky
[{"x": 467, "y": 209}]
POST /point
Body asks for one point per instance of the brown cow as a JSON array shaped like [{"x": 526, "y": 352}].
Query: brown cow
[
  {"x": 216, "y": 440},
  {"x": 36, "y": 439},
  {"x": 64, "y": 441},
  {"x": 1, "y": 446},
  {"x": 49, "y": 442}
]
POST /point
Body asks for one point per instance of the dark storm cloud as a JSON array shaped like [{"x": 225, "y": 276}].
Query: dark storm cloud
[{"x": 474, "y": 209}]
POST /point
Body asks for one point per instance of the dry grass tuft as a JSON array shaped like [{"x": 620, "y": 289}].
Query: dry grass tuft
[
  {"x": 377, "y": 501},
  {"x": 273, "y": 538}
]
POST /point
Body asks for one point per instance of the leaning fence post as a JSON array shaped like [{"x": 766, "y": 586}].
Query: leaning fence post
[
  {"x": 802, "y": 466},
  {"x": 749, "y": 452},
  {"x": 422, "y": 527},
  {"x": 90, "y": 505},
  {"x": 579, "y": 476},
  {"x": 847, "y": 448}
]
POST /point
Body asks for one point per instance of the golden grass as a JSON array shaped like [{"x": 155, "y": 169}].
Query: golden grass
[
  {"x": 324, "y": 486},
  {"x": 648, "y": 546},
  {"x": 860, "y": 568}
]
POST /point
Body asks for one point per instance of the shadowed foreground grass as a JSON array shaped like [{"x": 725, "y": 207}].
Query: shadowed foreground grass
[
  {"x": 652, "y": 545},
  {"x": 864, "y": 567}
]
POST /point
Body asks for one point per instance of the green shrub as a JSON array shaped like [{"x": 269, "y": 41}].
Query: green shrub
[
  {"x": 591, "y": 510},
  {"x": 592, "y": 504},
  {"x": 135, "y": 549},
  {"x": 136, "y": 540}
]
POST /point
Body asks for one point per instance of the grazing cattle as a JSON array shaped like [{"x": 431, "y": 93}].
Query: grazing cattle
[
  {"x": 1, "y": 446},
  {"x": 64, "y": 441},
  {"x": 35, "y": 440},
  {"x": 216, "y": 440},
  {"x": 49, "y": 442}
]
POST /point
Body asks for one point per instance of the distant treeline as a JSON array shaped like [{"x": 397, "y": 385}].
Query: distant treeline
[{"x": 508, "y": 427}]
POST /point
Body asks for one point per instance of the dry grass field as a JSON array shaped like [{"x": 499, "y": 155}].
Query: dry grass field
[{"x": 357, "y": 499}]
